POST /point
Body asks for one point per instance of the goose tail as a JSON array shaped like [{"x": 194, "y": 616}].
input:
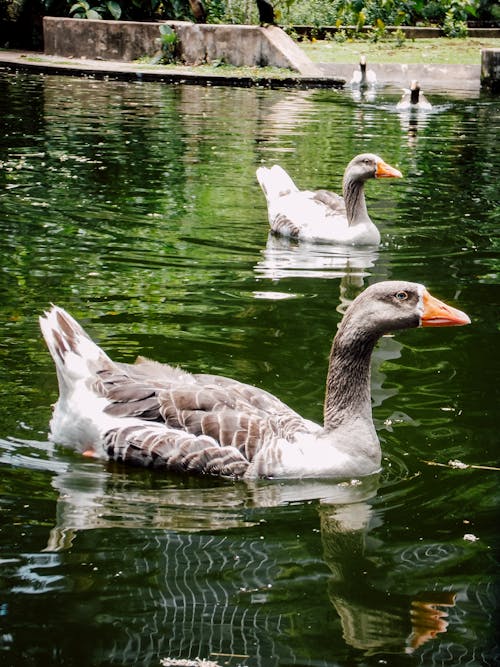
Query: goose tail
[
  {"x": 275, "y": 182},
  {"x": 75, "y": 355}
]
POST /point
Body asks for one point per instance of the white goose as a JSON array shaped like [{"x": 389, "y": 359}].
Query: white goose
[
  {"x": 363, "y": 78},
  {"x": 323, "y": 216},
  {"x": 154, "y": 415},
  {"x": 413, "y": 98}
]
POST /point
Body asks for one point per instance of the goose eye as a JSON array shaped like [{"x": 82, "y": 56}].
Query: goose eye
[{"x": 401, "y": 296}]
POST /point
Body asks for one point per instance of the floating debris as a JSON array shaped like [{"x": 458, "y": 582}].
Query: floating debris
[
  {"x": 459, "y": 465},
  {"x": 181, "y": 662}
]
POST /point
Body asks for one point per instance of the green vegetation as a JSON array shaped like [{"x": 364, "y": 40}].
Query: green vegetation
[
  {"x": 83, "y": 10},
  {"x": 451, "y": 15},
  {"x": 20, "y": 24},
  {"x": 224, "y": 69},
  {"x": 439, "y": 50},
  {"x": 168, "y": 42}
]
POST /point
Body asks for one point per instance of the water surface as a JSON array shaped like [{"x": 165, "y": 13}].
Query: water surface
[{"x": 135, "y": 207}]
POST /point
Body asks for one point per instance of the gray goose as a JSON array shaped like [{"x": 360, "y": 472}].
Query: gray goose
[
  {"x": 154, "y": 415},
  {"x": 321, "y": 216}
]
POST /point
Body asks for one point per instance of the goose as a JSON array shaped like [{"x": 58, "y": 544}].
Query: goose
[
  {"x": 363, "y": 78},
  {"x": 323, "y": 216},
  {"x": 159, "y": 416},
  {"x": 413, "y": 98}
]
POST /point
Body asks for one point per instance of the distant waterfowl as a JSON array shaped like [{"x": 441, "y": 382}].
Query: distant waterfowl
[
  {"x": 155, "y": 415},
  {"x": 363, "y": 77},
  {"x": 323, "y": 216},
  {"x": 413, "y": 98}
]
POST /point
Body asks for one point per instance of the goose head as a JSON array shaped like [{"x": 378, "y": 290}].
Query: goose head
[
  {"x": 382, "y": 308},
  {"x": 394, "y": 305},
  {"x": 368, "y": 165}
]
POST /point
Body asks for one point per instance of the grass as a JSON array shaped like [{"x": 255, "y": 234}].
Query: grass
[
  {"x": 435, "y": 51},
  {"x": 221, "y": 69}
]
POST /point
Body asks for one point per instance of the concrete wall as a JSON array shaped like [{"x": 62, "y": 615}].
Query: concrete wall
[
  {"x": 239, "y": 45},
  {"x": 430, "y": 77},
  {"x": 106, "y": 40}
]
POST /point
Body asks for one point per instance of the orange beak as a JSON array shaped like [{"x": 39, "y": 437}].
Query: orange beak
[
  {"x": 385, "y": 170},
  {"x": 439, "y": 314}
]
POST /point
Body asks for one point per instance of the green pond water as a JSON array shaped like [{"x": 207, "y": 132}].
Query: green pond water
[{"x": 135, "y": 206}]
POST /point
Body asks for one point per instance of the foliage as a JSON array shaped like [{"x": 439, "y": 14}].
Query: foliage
[
  {"x": 231, "y": 11},
  {"x": 82, "y": 10},
  {"x": 20, "y": 20},
  {"x": 451, "y": 14},
  {"x": 134, "y": 10},
  {"x": 453, "y": 27},
  {"x": 168, "y": 41}
]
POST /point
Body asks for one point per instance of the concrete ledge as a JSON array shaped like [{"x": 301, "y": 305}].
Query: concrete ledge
[
  {"x": 42, "y": 63},
  {"x": 439, "y": 78},
  {"x": 239, "y": 45},
  {"x": 431, "y": 77}
]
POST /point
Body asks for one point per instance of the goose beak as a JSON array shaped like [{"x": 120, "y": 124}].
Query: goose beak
[
  {"x": 439, "y": 314},
  {"x": 385, "y": 170}
]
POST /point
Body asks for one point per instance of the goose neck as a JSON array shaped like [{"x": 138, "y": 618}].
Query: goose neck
[
  {"x": 354, "y": 198},
  {"x": 348, "y": 395}
]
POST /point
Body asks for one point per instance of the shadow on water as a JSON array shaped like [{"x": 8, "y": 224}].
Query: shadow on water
[{"x": 135, "y": 206}]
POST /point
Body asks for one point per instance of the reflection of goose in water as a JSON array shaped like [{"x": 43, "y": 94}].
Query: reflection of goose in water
[
  {"x": 159, "y": 569},
  {"x": 364, "y": 94},
  {"x": 414, "y": 112},
  {"x": 90, "y": 497},
  {"x": 287, "y": 258},
  {"x": 284, "y": 116},
  {"x": 374, "y": 620}
]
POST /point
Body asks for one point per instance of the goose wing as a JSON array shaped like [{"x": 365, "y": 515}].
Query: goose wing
[
  {"x": 307, "y": 214},
  {"x": 300, "y": 214},
  {"x": 197, "y": 423}
]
